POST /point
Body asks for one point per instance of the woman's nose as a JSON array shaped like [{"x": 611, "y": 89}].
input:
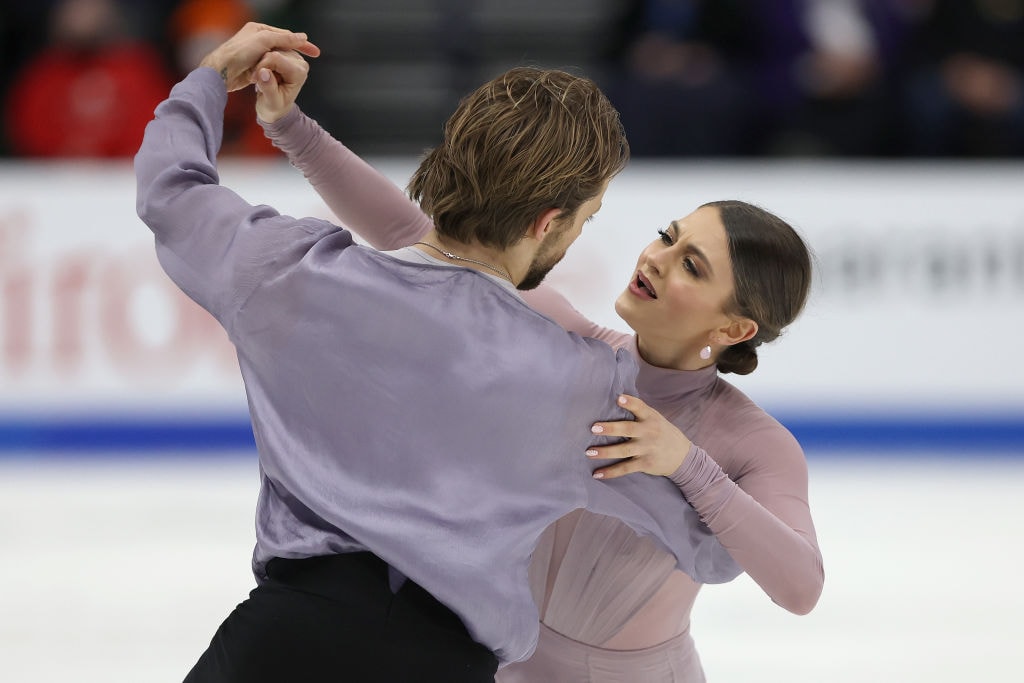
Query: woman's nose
[{"x": 655, "y": 259}]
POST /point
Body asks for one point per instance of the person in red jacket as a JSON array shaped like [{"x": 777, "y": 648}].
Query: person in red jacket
[{"x": 90, "y": 91}]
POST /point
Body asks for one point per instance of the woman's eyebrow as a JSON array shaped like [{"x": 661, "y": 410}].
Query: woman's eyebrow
[{"x": 692, "y": 249}]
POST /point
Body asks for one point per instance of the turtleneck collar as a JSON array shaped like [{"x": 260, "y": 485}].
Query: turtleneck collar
[{"x": 665, "y": 387}]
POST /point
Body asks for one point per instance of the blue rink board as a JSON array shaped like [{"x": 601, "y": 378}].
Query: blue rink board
[{"x": 189, "y": 437}]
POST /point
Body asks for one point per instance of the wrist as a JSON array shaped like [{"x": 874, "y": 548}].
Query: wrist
[
  {"x": 272, "y": 117},
  {"x": 685, "y": 471},
  {"x": 211, "y": 62}
]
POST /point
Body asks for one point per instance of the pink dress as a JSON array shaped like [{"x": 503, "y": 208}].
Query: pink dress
[{"x": 613, "y": 606}]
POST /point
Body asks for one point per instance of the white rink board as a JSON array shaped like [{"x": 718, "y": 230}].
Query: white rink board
[{"x": 919, "y": 305}]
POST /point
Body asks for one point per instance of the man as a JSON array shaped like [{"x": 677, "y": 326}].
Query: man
[{"x": 418, "y": 425}]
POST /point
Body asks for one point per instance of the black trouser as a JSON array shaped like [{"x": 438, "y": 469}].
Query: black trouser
[{"x": 334, "y": 618}]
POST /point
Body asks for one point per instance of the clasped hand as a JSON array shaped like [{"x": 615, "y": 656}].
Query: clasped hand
[{"x": 269, "y": 57}]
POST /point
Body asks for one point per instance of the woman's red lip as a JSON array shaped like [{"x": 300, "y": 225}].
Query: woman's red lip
[
  {"x": 647, "y": 283},
  {"x": 641, "y": 287}
]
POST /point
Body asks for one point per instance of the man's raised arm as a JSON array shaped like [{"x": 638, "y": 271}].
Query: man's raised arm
[{"x": 198, "y": 223}]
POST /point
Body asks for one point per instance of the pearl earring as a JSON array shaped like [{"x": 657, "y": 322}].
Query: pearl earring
[{"x": 705, "y": 353}]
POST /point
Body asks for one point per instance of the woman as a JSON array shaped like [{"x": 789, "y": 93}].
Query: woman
[{"x": 705, "y": 294}]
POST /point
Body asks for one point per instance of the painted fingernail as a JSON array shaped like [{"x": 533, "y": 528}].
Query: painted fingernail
[
  {"x": 591, "y": 452},
  {"x": 597, "y": 429},
  {"x": 598, "y": 475},
  {"x": 622, "y": 400}
]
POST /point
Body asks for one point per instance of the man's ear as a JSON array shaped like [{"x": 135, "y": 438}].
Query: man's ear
[
  {"x": 737, "y": 331},
  {"x": 545, "y": 222}
]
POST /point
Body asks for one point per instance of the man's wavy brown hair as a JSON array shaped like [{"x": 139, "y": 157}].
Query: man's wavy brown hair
[{"x": 525, "y": 142}]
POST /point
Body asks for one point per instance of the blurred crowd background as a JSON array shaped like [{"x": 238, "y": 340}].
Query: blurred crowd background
[{"x": 692, "y": 78}]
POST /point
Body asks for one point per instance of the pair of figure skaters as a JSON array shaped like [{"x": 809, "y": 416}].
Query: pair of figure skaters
[{"x": 439, "y": 457}]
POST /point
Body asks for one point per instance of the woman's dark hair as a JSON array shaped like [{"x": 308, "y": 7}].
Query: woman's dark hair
[{"x": 771, "y": 268}]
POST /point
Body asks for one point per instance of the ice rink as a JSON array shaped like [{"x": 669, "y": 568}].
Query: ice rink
[
  {"x": 118, "y": 570},
  {"x": 118, "y": 566}
]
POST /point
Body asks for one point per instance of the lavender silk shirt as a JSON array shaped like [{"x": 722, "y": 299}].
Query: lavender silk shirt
[{"x": 419, "y": 411}]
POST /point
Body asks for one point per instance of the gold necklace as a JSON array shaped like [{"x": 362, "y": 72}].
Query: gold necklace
[{"x": 455, "y": 257}]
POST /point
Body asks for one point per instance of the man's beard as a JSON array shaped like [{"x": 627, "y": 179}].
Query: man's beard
[{"x": 542, "y": 264}]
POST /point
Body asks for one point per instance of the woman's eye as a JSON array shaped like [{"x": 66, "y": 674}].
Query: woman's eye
[
  {"x": 690, "y": 266},
  {"x": 665, "y": 237}
]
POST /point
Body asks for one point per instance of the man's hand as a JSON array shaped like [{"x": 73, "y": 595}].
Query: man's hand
[
  {"x": 236, "y": 59},
  {"x": 279, "y": 76}
]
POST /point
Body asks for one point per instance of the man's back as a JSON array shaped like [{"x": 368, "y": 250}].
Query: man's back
[{"x": 422, "y": 412}]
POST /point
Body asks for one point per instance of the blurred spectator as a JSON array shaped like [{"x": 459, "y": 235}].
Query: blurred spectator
[
  {"x": 789, "y": 77},
  {"x": 91, "y": 89},
  {"x": 198, "y": 26},
  {"x": 690, "y": 77},
  {"x": 965, "y": 93},
  {"x": 674, "y": 77},
  {"x": 822, "y": 75}
]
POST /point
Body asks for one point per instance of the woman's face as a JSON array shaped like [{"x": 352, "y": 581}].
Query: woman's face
[{"x": 680, "y": 289}]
